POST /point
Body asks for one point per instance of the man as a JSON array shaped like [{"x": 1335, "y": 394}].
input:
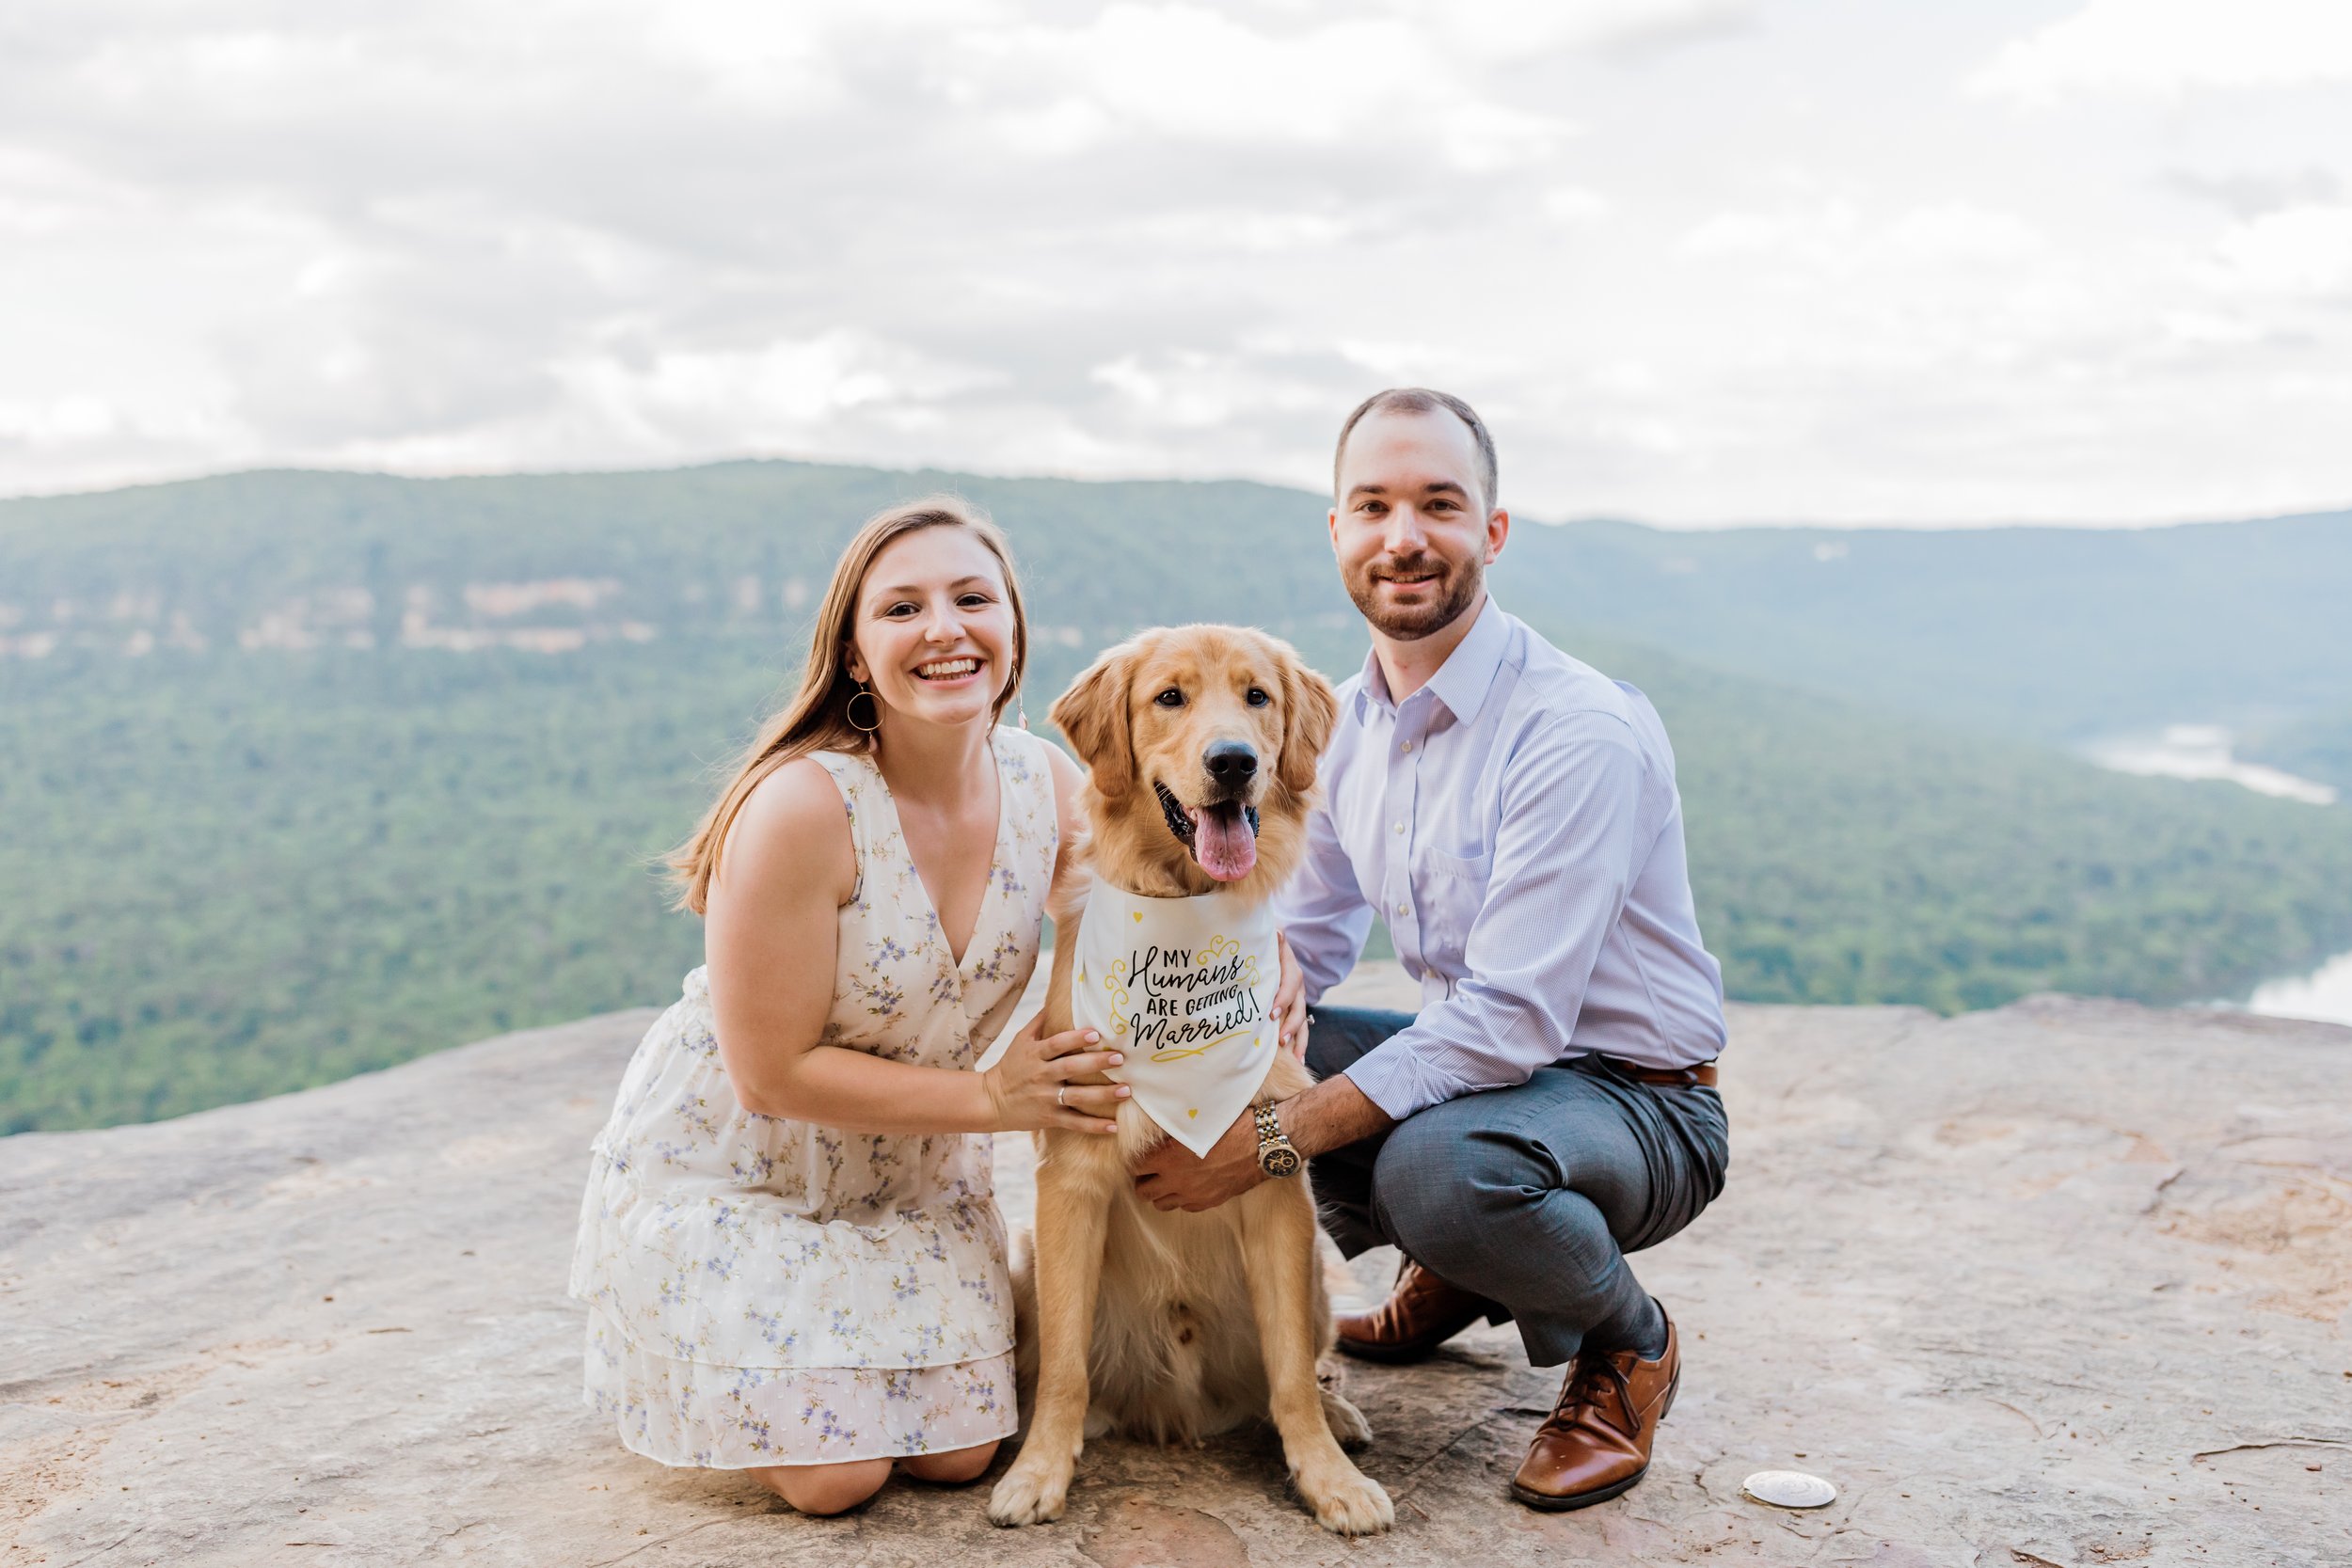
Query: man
[{"x": 1511, "y": 814}]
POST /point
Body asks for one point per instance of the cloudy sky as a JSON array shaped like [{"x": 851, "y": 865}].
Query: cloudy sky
[{"x": 1699, "y": 260}]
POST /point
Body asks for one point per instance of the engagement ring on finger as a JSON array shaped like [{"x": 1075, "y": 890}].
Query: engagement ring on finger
[{"x": 1057, "y": 1097}]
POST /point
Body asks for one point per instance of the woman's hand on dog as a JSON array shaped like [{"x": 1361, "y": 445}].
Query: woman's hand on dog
[
  {"x": 1290, "y": 1002},
  {"x": 1035, "y": 1086}
]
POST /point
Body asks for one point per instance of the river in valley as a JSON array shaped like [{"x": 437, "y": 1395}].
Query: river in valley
[
  {"x": 2202, "y": 751},
  {"x": 2205, "y": 752},
  {"x": 2327, "y": 993}
]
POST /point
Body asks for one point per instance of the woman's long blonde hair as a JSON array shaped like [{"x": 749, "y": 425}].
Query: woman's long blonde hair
[{"x": 817, "y": 717}]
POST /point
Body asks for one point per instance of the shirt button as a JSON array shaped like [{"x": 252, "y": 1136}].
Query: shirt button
[
  {"x": 1401, "y": 911},
  {"x": 1406, "y": 747},
  {"x": 1400, "y": 826}
]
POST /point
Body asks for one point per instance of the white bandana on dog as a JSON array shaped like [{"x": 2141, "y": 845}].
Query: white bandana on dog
[{"x": 1183, "y": 988}]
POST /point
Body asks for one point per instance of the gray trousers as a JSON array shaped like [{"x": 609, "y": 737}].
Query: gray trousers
[{"x": 1531, "y": 1195}]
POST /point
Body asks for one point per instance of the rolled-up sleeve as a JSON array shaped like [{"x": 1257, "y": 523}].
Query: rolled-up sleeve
[
  {"x": 1566, "y": 850},
  {"x": 1323, "y": 910}
]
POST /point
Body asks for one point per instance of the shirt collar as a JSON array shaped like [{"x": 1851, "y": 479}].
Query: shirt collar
[{"x": 1462, "y": 681}]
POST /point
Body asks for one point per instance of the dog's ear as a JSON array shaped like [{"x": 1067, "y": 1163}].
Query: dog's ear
[
  {"x": 1092, "y": 715},
  {"x": 1309, "y": 710}
]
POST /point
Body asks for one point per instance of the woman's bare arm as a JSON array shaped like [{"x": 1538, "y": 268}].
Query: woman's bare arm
[{"x": 771, "y": 937}]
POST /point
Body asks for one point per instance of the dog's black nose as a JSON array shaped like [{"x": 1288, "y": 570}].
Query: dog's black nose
[{"x": 1231, "y": 761}]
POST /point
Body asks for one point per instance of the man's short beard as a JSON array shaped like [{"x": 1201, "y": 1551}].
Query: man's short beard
[{"x": 1463, "y": 583}]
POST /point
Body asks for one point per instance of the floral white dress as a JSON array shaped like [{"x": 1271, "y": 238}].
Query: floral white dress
[{"x": 766, "y": 1292}]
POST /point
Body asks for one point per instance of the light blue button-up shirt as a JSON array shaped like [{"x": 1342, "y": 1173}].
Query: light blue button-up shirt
[{"x": 1515, "y": 823}]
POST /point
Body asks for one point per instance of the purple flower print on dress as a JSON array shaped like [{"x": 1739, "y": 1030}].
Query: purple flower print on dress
[
  {"x": 771, "y": 1330},
  {"x": 999, "y": 960},
  {"x": 829, "y": 1427},
  {"x": 754, "y": 1168},
  {"x": 880, "y": 1256}
]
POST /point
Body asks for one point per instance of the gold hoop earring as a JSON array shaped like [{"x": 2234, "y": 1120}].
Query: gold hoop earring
[{"x": 850, "y": 709}]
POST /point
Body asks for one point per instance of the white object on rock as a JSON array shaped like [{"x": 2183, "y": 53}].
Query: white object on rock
[{"x": 1790, "y": 1489}]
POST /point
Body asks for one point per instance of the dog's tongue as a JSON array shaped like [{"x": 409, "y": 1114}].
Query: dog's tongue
[{"x": 1222, "y": 842}]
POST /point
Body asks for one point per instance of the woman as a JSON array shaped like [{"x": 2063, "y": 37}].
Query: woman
[{"x": 790, "y": 1243}]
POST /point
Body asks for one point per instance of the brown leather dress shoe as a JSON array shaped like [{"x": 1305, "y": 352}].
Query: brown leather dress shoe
[
  {"x": 1597, "y": 1442},
  {"x": 1422, "y": 1314}
]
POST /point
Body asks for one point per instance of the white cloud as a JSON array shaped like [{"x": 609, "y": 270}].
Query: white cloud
[
  {"x": 784, "y": 393},
  {"x": 76, "y": 417},
  {"x": 1960, "y": 232},
  {"x": 1573, "y": 206},
  {"x": 1694, "y": 259},
  {"x": 2304, "y": 251},
  {"x": 1835, "y": 235},
  {"x": 1190, "y": 390},
  {"x": 1514, "y": 29},
  {"x": 760, "y": 60},
  {"x": 2172, "y": 46},
  {"x": 1822, "y": 233},
  {"x": 1185, "y": 73}
]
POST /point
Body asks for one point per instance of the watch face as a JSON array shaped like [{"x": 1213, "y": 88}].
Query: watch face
[{"x": 1279, "y": 1161}]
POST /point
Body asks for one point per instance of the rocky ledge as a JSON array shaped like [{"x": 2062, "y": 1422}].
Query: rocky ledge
[{"x": 2065, "y": 1283}]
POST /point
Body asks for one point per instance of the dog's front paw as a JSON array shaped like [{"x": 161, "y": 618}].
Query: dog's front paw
[
  {"x": 1031, "y": 1493},
  {"x": 1346, "y": 1501},
  {"x": 1346, "y": 1423}
]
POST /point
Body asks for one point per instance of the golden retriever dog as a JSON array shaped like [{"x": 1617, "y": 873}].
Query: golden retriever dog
[{"x": 1174, "y": 1326}]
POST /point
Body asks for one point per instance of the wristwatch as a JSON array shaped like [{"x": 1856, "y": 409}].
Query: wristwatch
[{"x": 1275, "y": 1157}]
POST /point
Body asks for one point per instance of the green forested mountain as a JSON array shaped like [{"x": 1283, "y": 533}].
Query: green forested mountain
[
  {"x": 713, "y": 551},
  {"x": 304, "y": 774},
  {"x": 2050, "y": 634}
]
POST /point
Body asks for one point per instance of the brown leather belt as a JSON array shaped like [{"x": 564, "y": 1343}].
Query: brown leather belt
[{"x": 1702, "y": 1075}]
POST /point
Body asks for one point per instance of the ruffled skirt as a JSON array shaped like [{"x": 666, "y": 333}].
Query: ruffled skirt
[
  {"x": 737, "y": 1417},
  {"x": 764, "y": 1291}
]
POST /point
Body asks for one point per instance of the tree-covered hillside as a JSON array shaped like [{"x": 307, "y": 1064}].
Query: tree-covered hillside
[
  {"x": 305, "y": 774},
  {"x": 2049, "y": 634},
  {"x": 229, "y": 876}
]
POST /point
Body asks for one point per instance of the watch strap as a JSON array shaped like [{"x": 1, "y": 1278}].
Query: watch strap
[{"x": 1277, "y": 1155}]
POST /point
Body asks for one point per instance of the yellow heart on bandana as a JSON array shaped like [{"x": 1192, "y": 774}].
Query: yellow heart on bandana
[
  {"x": 1192, "y": 1113},
  {"x": 1134, "y": 914}
]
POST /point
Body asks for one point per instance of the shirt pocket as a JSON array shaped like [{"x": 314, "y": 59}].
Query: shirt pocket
[{"x": 1453, "y": 890}]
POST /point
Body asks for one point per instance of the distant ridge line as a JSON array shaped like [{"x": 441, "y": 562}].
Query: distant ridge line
[{"x": 953, "y": 478}]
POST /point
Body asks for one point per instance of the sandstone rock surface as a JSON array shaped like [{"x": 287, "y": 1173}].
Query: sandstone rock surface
[{"x": 2061, "y": 1284}]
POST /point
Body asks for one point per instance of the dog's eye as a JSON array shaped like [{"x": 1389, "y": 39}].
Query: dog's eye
[
  {"x": 1171, "y": 698},
  {"x": 1258, "y": 697}
]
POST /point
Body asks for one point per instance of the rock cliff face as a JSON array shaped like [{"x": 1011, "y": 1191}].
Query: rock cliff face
[{"x": 2061, "y": 1284}]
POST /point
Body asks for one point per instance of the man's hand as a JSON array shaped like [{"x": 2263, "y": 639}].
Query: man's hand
[
  {"x": 1333, "y": 1113},
  {"x": 1171, "y": 1176}
]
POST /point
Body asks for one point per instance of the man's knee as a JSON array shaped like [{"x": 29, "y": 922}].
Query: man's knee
[
  {"x": 1340, "y": 1036},
  {"x": 1326, "y": 1056},
  {"x": 1441, "y": 1182},
  {"x": 1422, "y": 1183}
]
